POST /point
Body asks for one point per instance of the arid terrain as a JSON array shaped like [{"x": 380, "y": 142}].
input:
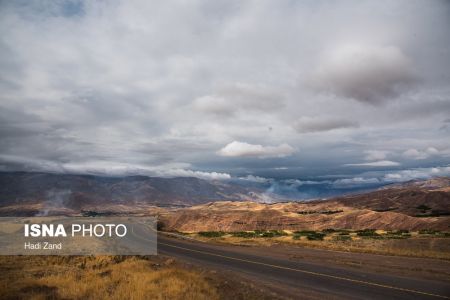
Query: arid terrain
[
  {"x": 406, "y": 219},
  {"x": 414, "y": 206},
  {"x": 193, "y": 205},
  {"x": 393, "y": 241},
  {"x": 117, "y": 277},
  {"x": 410, "y": 218}
]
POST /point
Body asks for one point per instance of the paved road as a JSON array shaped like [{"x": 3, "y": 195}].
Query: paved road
[{"x": 333, "y": 281}]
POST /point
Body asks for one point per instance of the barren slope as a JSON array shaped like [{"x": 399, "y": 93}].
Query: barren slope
[{"x": 413, "y": 206}]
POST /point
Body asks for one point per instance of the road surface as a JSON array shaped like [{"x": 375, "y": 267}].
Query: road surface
[{"x": 299, "y": 278}]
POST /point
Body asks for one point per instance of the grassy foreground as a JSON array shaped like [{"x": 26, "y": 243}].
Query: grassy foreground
[
  {"x": 119, "y": 277},
  {"x": 106, "y": 277}
]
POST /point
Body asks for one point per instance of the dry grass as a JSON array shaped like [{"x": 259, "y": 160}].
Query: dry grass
[
  {"x": 386, "y": 247},
  {"x": 109, "y": 277},
  {"x": 438, "y": 248}
]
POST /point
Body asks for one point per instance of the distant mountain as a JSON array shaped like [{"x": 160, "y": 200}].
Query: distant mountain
[
  {"x": 76, "y": 192},
  {"x": 38, "y": 194}
]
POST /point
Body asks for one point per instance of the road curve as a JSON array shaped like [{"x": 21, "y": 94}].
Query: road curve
[{"x": 330, "y": 281}]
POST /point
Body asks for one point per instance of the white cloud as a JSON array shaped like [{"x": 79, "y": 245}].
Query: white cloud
[
  {"x": 114, "y": 168},
  {"x": 380, "y": 163},
  {"x": 168, "y": 170},
  {"x": 376, "y": 154},
  {"x": 355, "y": 181},
  {"x": 419, "y": 173},
  {"x": 420, "y": 154},
  {"x": 366, "y": 73},
  {"x": 190, "y": 173},
  {"x": 297, "y": 182},
  {"x": 240, "y": 149},
  {"x": 254, "y": 178}
]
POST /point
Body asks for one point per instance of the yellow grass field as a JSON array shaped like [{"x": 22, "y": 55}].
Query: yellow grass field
[{"x": 108, "y": 277}]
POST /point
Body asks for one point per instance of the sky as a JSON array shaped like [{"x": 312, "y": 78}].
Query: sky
[{"x": 356, "y": 92}]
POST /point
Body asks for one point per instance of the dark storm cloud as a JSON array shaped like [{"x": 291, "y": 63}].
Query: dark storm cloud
[
  {"x": 365, "y": 73},
  {"x": 210, "y": 88}
]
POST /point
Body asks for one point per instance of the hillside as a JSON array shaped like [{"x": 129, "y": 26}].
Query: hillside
[
  {"x": 192, "y": 204},
  {"x": 412, "y": 206},
  {"x": 43, "y": 192},
  {"x": 421, "y": 198}
]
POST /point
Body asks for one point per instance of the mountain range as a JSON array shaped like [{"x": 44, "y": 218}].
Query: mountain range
[
  {"x": 190, "y": 204},
  {"x": 76, "y": 192}
]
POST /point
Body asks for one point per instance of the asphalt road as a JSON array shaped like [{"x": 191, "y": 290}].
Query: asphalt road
[{"x": 297, "y": 278}]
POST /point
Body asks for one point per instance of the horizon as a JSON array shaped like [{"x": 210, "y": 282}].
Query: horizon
[{"x": 271, "y": 190}]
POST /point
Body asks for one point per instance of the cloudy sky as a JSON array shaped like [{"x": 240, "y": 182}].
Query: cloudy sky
[{"x": 352, "y": 90}]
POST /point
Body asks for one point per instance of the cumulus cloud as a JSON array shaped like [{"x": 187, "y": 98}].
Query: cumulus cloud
[
  {"x": 376, "y": 154},
  {"x": 109, "y": 168},
  {"x": 191, "y": 173},
  {"x": 241, "y": 149},
  {"x": 418, "y": 173},
  {"x": 380, "y": 163},
  {"x": 399, "y": 176},
  {"x": 420, "y": 154},
  {"x": 370, "y": 74},
  {"x": 309, "y": 124}
]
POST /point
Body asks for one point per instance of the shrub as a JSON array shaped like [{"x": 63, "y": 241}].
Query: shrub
[
  {"x": 385, "y": 209},
  {"x": 325, "y": 212},
  {"x": 428, "y": 231},
  {"x": 310, "y": 235},
  {"x": 318, "y": 236},
  {"x": 399, "y": 232},
  {"x": 330, "y": 212},
  {"x": 344, "y": 232},
  {"x": 304, "y": 232},
  {"x": 244, "y": 234},
  {"x": 433, "y": 213},
  {"x": 160, "y": 226},
  {"x": 397, "y": 237},
  {"x": 270, "y": 233},
  {"x": 367, "y": 232},
  {"x": 211, "y": 234},
  {"x": 259, "y": 233}
]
